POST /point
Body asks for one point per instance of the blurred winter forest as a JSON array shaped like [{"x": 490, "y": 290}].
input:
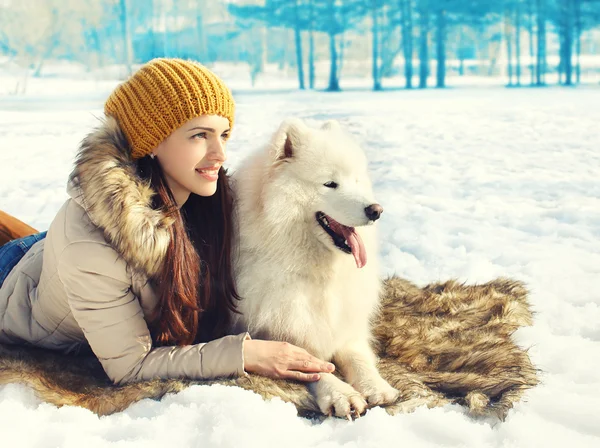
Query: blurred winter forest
[{"x": 405, "y": 43}]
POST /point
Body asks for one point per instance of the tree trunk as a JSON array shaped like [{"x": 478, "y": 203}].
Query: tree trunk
[
  {"x": 424, "y": 44},
  {"x": 562, "y": 31},
  {"x": 424, "y": 23},
  {"x": 311, "y": 48},
  {"x": 508, "y": 37},
  {"x": 441, "y": 48},
  {"x": 481, "y": 44},
  {"x": 569, "y": 46},
  {"x": 375, "y": 52},
  {"x": 578, "y": 41},
  {"x": 460, "y": 52},
  {"x": 407, "y": 40},
  {"x": 298, "y": 41},
  {"x": 566, "y": 41},
  {"x": 541, "y": 41},
  {"x": 299, "y": 58},
  {"x": 518, "y": 42},
  {"x": 531, "y": 50},
  {"x": 334, "y": 85}
]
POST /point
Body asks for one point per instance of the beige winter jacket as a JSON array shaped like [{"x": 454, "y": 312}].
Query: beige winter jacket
[{"x": 85, "y": 285}]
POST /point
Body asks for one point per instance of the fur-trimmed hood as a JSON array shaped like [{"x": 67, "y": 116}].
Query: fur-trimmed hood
[{"x": 105, "y": 183}]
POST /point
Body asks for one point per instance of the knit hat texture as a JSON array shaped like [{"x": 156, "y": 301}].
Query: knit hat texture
[{"x": 161, "y": 96}]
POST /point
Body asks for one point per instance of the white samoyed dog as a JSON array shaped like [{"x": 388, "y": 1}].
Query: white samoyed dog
[{"x": 306, "y": 266}]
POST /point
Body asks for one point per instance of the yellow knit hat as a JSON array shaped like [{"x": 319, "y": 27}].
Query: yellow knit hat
[{"x": 161, "y": 96}]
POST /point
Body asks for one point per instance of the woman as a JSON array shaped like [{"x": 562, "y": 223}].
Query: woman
[{"x": 136, "y": 265}]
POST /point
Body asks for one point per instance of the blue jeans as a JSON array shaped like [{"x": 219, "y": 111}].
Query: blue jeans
[{"x": 14, "y": 250}]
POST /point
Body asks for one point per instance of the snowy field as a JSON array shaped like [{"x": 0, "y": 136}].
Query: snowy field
[{"x": 476, "y": 183}]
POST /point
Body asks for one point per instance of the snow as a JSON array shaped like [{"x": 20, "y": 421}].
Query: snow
[{"x": 475, "y": 182}]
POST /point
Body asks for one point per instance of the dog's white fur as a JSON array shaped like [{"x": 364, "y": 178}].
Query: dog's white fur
[{"x": 295, "y": 284}]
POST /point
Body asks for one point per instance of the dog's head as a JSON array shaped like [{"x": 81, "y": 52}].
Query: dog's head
[{"x": 324, "y": 175}]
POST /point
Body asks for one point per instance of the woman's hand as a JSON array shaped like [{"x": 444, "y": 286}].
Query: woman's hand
[{"x": 282, "y": 360}]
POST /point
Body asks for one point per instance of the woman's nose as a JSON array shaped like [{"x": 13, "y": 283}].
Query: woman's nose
[{"x": 218, "y": 150}]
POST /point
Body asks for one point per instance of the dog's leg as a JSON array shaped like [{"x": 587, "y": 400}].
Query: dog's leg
[
  {"x": 358, "y": 364},
  {"x": 335, "y": 397}
]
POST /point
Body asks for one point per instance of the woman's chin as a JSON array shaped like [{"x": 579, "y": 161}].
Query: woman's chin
[{"x": 206, "y": 190}]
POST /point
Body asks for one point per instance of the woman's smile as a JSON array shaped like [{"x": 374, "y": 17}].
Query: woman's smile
[{"x": 210, "y": 174}]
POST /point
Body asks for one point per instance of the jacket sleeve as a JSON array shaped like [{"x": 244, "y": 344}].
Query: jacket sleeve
[{"x": 99, "y": 294}]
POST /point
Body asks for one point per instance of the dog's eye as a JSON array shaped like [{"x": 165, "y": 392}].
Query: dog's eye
[{"x": 331, "y": 184}]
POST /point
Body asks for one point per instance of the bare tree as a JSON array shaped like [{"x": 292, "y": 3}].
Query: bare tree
[
  {"x": 441, "y": 24},
  {"x": 406, "y": 11},
  {"x": 509, "y": 41},
  {"x": 424, "y": 25},
  {"x": 566, "y": 27},
  {"x": 298, "y": 44},
  {"x": 517, "y": 11},
  {"x": 311, "y": 44},
  {"x": 375, "y": 9},
  {"x": 541, "y": 43},
  {"x": 530, "y": 22}
]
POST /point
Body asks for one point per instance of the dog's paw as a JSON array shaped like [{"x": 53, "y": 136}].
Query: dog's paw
[
  {"x": 341, "y": 401},
  {"x": 378, "y": 392}
]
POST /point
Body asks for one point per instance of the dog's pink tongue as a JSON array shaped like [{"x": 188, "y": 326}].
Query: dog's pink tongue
[{"x": 356, "y": 244}]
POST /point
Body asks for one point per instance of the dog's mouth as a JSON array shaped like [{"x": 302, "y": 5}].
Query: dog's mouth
[{"x": 344, "y": 238}]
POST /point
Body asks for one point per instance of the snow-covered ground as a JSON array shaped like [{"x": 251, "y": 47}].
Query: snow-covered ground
[{"x": 475, "y": 182}]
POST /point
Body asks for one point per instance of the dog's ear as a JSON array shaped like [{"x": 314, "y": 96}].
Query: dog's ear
[
  {"x": 331, "y": 125},
  {"x": 288, "y": 138}
]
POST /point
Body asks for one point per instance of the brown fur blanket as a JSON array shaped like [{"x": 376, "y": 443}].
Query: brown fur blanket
[{"x": 445, "y": 343}]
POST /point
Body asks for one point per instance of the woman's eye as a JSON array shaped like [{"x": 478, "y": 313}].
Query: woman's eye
[
  {"x": 199, "y": 135},
  {"x": 225, "y": 136},
  {"x": 331, "y": 184}
]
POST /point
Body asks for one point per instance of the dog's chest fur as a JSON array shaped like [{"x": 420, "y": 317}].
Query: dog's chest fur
[{"x": 319, "y": 309}]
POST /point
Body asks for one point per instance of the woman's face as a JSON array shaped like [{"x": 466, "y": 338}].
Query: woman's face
[{"x": 192, "y": 155}]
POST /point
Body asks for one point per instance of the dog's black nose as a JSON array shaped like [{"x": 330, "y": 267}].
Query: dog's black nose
[{"x": 373, "y": 211}]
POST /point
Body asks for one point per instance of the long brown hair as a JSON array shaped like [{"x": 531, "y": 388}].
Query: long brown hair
[{"x": 195, "y": 284}]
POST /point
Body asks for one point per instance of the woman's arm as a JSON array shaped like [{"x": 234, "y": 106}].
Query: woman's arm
[{"x": 110, "y": 315}]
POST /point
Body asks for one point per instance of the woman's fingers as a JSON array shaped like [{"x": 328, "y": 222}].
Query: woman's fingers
[
  {"x": 311, "y": 365},
  {"x": 283, "y": 360},
  {"x": 301, "y": 376},
  {"x": 300, "y": 359}
]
